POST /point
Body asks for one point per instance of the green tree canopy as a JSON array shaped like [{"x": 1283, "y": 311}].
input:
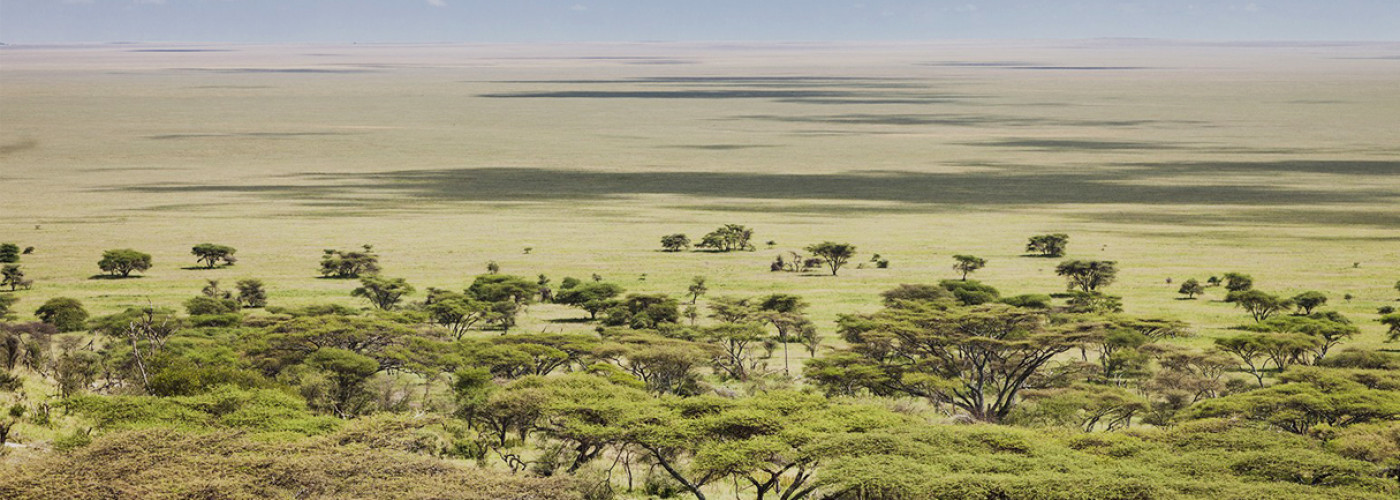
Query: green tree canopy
[
  {"x": 1048, "y": 245},
  {"x": 383, "y": 293},
  {"x": 1088, "y": 275},
  {"x": 833, "y": 254},
  {"x": 122, "y": 262},
  {"x": 966, "y": 264},
  {"x": 210, "y": 254}
]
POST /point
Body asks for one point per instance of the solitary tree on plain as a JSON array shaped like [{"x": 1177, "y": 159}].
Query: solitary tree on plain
[
  {"x": 210, "y": 254},
  {"x": 124, "y": 261},
  {"x": 1191, "y": 288},
  {"x": 343, "y": 264},
  {"x": 1048, "y": 245},
  {"x": 675, "y": 242},
  {"x": 1088, "y": 275},
  {"x": 967, "y": 263},
  {"x": 833, "y": 254}
]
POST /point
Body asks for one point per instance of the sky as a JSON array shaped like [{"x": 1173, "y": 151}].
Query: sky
[{"x": 430, "y": 21}]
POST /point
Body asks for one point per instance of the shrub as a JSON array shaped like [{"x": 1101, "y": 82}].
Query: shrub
[{"x": 65, "y": 314}]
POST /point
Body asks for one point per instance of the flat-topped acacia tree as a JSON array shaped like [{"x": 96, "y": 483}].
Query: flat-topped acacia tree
[
  {"x": 1088, "y": 275},
  {"x": 1048, "y": 245},
  {"x": 211, "y": 255},
  {"x": 124, "y": 261},
  {"x": 833, "y": 254},
  {"x": 966, "y": 264}
]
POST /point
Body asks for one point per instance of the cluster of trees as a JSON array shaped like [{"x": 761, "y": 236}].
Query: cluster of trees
[
  {"x": 651, "y": 404},
  {"x": 726, "y": 238},
  {"x": 949, "y": 390}
]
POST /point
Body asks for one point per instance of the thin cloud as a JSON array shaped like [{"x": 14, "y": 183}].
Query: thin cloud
[{"x": 437, "y": 3}]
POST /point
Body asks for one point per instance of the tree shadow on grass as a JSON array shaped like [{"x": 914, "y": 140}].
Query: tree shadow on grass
[
  {"x": 115, "y": 277},
  {"x": 569, "y": 320}
]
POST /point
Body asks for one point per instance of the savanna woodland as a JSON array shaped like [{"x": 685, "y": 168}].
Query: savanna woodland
[{"x": 597, "y": 273}]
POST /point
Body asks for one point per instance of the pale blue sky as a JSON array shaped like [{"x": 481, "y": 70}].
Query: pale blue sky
[{"x": 40, "y": 21}]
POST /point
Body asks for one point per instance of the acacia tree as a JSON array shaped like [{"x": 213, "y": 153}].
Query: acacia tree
[
  {"x": 833, "y": 254},
  {"x": 1327, "y": 331},
  {"x": 593, "y": 297},
  {"x": 1260, "y": 305},
  {"x": 966, "y": 264},
  {"x": 787, "y": 314},
  {"x": 251, "y": 293},
  {"x": 455, "y": 311},
  {"x": 728, "y": 238},
  {"x": 1309, "y": 300},
  {"x": 675, "y": 242},
  {"x": 976, "y": 359},
  {"x": 1088, "y": 275},
  {"x": 1191, "y": 288},
  {"x": 124, "y": 261},
  {"x": 343, "y": 264},
  {"x": 697, "y": 288},
  {"x": 347, "y": 372},
  {"x": 1392, "y": 321},
  {"x": 12, "y": 276},
  {"x": 384, "y": 293},
  {"x": 1048, "y": 245},
  {"x": 1238, "y": 282},
  {"x": 65, "y": 314},
  {"x": 210, "y": 254}
]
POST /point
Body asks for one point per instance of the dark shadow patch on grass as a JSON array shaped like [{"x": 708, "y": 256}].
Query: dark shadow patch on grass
[
  {"x": 672, "y": 94},
  {"x": 1275, "y": 216},
  {"x": 314, "y": 71},
  {"x": 18, "y": 146},
  {"x": 203, "y": 268},
  {"x": 745, "y": 81},
  {"x": 1081, "y": 68},
  {"x": 954, "y": 120},
  {"x": 661, "y": 62},
  {"x": 568, "y": 320},
  {"x": 244, "y": 135},
  {"x": 910, "y": 101},
  {"x": 111, "y": 277},
  {"x": 233, "y": 87},
  {"x": 1369, "y": 168},
  {"x": 1074, "y": 145},
  {"x": 180, "y": 50},
  {"x": 922, "y": 191},
  {"x": 979, "y": 64},
  {"x": 719, "y": 147}
]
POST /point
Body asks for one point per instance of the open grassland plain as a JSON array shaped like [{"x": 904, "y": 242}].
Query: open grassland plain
[{"x": 1178, "y": 160}]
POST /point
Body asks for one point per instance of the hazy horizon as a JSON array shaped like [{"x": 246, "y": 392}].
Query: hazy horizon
[{"x": 487, "y": 21}]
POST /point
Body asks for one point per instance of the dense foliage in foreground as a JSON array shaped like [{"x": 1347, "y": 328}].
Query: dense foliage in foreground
[{"x": 950, "y": 391}]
